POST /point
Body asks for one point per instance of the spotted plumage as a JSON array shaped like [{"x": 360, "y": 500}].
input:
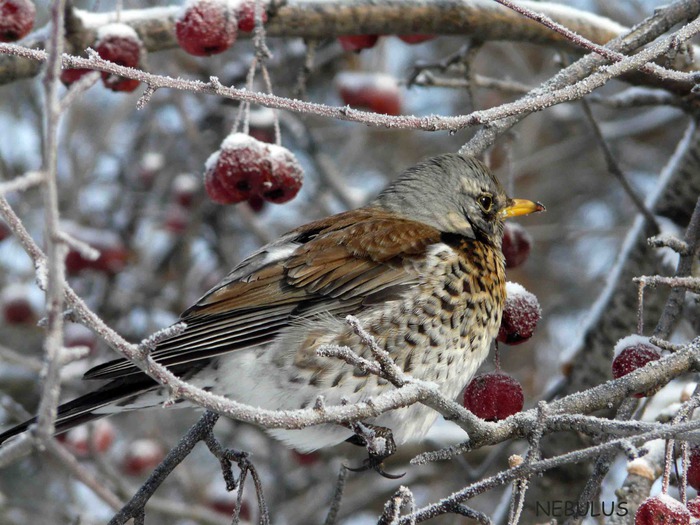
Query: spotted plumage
[{"x": 420, "y": 267}]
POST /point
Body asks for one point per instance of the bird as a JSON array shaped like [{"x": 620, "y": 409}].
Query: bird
[{"x": 421, "y": 269}]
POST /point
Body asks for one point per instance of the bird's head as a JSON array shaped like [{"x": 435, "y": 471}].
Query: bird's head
[{"x": 454, "y": 194}]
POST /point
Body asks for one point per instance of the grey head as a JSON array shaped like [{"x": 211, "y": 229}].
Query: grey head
[{"x": 452, "y": 193}]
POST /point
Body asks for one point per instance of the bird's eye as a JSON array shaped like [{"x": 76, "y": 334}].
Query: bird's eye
[{"x": 486, "y": 201}]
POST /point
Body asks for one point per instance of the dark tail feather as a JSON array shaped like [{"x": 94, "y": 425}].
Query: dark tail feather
[{"x": 81, "y": 410}]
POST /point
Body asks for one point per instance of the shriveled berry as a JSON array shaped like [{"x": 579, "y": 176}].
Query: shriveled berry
[
  {"x": 662, "y": 510},
  {"x": 357, "y": 42},
  {"x": 517, "y": 244},
  {"x": 206, "y": 27},
  {"x": 493, "y": 396},
  {"x": 521, "y": 313},
  {"x": 246, "y": 15},
  {"x": 631, "y": 353},
  {"x": 285, "y": 177},
  {"x": 694, "y": 507},
  {"x": 120, "y": 44},
  {"x": 16, "y": 19},
  {"x": 416, "y": 39},
  {"x": 374, "y": 91}
]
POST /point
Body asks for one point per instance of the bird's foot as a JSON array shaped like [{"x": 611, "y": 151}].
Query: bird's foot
[{"x": 380, "y": 444}]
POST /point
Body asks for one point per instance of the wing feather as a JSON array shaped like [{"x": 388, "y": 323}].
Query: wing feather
[{"x": 330, "y": 267}]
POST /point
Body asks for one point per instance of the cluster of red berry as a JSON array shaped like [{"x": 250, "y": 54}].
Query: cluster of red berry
[
  {"x": 245, "y": 168},
  {"x": 664, "y": 510},
  {"x": 208, "y": 27},
  {"x": 494, "y": 396}
]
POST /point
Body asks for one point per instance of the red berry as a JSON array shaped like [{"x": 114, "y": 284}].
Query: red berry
[
  {"x": 631, "y": 353},
  {"x": 662, "y": 510},
  {"x": 262, "y": 125},
  {"x": 16, "y": 306},
  {"x": 77, "y": 439},
  {"x": 357, "y": 42},
  {"x": 113, "y": 256},
  {"x": 213, "y": 185},
  {"x": 206, "y": 27},
  {"x": 69, "y": 76},
  {"x": 694, "y": 468},
  {"x": 306, "y": 459},
  {"x": 16, "y": 19},
  {"x": 416, "y": 39},
  {"x": 79, "y": 335},
  {"x": 177, "y": 218},
  {"x": 222, "y": 501},
  {"x": 4, "y": 231},
  {"x": 493, "y": 396},
  {"x": 374, "y": 91},
  {"x": 285, "y": 177},
  {"x": 256, "y": 203},
  {"x": 142, "y": 456},
  {"x": 184, "y": 189},
  {"x": 520, "y": 315},
  {"x": 120, "y": 44},
  {"x": 246, "y": 15},
  {"x": 241, "y": 167},
  {"x": 694, "y": 507},
  {"x": 516, "y": 244}
]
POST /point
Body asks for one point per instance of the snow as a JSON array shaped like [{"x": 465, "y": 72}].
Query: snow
[
  {"x": 237, "y": 140},
  {"x": 96, "y": 20},
  {"x": 211, "y": 161},
  {"x": 631, "y": 340},
  {"x": 116, "y": 30},
  {"x": 356, "y": 80},
  {"x": 185, "y": 183}
]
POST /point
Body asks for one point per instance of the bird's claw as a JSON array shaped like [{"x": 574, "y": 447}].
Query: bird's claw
[{"x": 377, "y": 465}]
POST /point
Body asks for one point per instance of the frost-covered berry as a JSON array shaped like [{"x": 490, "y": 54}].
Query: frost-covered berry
[
  {"x": 633, "y": 352},
  {"x": 694, "y": 507},
  {"x": 242, "y": 165},
  {"x": 16, "y": 305},
  {"x": 517, "y": 244},
  {"x": 520, "y": 315},
  {"x": 120, "y": 44},
  {"x": 285, "y": 176},
  {"x": 246, "y": 15},
  {"x": 78, "y": 441},
  {"x": 212, "y": 184},
  {"x": 262, "y": 125},
  {"x": 416, "y": 39},
  {"x": 694, "y": 468},
  {"x": 70, "y": 76},
  {"x": 113, "y": 254},
  {"x": 493, "y": 396},
  {"x": 142, "y": 456},
  {"x": 662, "y": 510},
  {"x": 374, "y": 91},
  {"x": 184, "y": 189},
  {"x": 206, "y": 27},
  {"x": 16, "y": 19},
  {"x": 357, "y": 42}
]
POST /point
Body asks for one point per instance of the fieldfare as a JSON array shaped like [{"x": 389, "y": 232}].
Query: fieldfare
[{"x": 421, "y": 268}]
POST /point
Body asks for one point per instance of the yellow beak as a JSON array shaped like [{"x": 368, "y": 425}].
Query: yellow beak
[{"x": 518, "y": 207}]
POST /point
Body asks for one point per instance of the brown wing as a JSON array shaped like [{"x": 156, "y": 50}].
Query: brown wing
[{"x": 336, "y": 265}]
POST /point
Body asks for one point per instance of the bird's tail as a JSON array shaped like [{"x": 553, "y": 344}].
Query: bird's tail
[{"x": 87, "y": 408}]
